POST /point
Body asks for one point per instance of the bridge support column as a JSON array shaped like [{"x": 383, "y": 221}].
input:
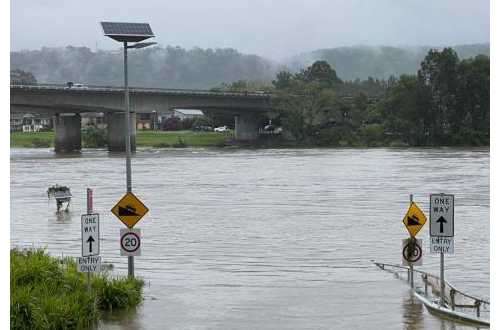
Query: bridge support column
[
  {"x": 67, "y": 129},
  {"x": 116, "y": 131},
  {"x": 246, "y": 127}
]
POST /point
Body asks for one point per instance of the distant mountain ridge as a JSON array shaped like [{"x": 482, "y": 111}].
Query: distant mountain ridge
[
  {"x": 175, "y": 67},
  {"x": 361, "y": 62}
]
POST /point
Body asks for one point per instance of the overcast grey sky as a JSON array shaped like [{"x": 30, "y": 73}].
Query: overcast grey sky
[{"x": 274, "y": 29}]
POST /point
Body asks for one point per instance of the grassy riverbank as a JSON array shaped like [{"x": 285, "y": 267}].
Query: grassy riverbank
[
  {"x": 48, "y": 293},
  {"x": 157, "y": 139}
]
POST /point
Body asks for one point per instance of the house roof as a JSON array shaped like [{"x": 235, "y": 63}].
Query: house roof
[{"x": 191, "y": 112}]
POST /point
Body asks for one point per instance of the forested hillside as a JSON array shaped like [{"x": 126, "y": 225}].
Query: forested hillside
[
  {"x": 378, "y": 62},
  {"x": 175, "y": 67}
]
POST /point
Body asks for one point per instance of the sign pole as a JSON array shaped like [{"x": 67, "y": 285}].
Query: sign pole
[
  {"x": 411, "y": 242},
  {"x": 442, "y": 279},
  {"x": 127, "y": 141},
  {"x": 89, "y": 211}
]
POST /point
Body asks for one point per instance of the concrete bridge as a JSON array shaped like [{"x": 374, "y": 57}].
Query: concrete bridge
[{"x": 66, "y": 104}]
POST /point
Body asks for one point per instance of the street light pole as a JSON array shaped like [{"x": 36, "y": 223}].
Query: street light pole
[
  {"x": 127, "y": 140},
  {"x": 121, "y": 32}
]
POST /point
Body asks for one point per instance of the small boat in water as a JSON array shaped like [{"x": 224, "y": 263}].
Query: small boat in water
[{"x": 61, "y": 194}]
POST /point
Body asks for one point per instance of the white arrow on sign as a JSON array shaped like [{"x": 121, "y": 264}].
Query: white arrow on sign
[
  {"x": 90, "y": 235},
  {"x": 442, "y": 215}
]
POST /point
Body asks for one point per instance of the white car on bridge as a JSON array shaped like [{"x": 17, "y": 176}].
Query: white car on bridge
[{"x": 220, "y": 129}]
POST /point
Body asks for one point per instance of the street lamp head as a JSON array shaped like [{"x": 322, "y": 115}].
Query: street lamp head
[
  {"x": 141, "y": 45},
  {"x": 127, "y": 32}
]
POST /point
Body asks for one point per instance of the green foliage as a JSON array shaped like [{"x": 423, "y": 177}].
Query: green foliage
[
  {"x": 31, "y": 139},
  {"x": 372, "y": 134},
  {"x": 93, "y": 137},
  {"x": 48, "y": 293},
  {"x": 180, "y": 143},
  {"x": 20, "y": 77}
]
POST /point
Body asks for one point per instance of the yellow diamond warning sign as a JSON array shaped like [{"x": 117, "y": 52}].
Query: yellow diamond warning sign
[
  {"x": 414, "y": 219},
  {"x": 129, "y": 210}
]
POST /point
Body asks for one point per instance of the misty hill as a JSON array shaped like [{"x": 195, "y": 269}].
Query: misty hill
[
  {"x": 169, "y": 67},
  {"x": 377, "y": 62},
  {"x": 175, "y": 67}
]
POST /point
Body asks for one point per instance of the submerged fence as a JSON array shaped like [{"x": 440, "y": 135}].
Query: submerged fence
[{"x": 454, "y": 298}]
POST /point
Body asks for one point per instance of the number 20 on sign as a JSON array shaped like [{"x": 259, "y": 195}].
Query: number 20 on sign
[{"x": 130, "y": 242}]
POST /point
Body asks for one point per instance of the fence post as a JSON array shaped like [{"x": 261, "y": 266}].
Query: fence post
[
  {"x": 452, "y": 299},
  {"x": 425, "y": 282},
  {"x": 478, "y": 308}
]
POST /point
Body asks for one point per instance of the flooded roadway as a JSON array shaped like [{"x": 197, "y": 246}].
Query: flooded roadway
[{"x": 265, "y": 239}]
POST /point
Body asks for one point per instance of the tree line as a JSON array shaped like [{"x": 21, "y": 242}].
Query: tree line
[{"x": 445, "y": 103}]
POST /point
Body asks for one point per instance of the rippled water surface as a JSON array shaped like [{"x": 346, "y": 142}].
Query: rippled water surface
[{"x": 264, "y": 239}]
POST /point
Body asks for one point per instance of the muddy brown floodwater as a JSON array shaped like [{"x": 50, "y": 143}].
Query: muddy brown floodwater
[{"x": 264, "y": 239}]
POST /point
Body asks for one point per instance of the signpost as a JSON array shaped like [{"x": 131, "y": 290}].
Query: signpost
[
  {"x": 412, "y": 252},
  {"x": 442, "y": 230},
  {"x": 130, "y": 242},
  {"x": 130, "y": 210},
  {"x": 90, "y": 235},
  {"x": 89, "y": 262},
  {"x": 441, "y": 215},
  {"x": 413, "y": 220}
]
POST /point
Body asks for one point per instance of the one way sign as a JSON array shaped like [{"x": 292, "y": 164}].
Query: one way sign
[
  {"x": 90, "y": 235},
  {"x": 441, "y": 215}
]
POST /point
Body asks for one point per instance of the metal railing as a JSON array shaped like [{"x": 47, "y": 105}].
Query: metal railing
[
  {"x": 454, "y": 298},
  {"x": 44, "y": 86}
]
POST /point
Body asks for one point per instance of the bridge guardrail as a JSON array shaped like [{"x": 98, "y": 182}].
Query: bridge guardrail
[{"x": 141, "y": 89}]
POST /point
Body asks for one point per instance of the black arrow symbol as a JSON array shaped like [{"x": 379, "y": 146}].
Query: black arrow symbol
[
  {"x": 441, "y": 222},
  {"x": 90, "y": 240}
]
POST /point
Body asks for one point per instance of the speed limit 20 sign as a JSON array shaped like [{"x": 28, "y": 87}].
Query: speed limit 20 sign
[{"x": 130, "y": 242}]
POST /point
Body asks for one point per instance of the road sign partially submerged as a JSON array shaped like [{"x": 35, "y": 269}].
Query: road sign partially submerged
[
  {"x": 130, "y": 242},
  {"x": 441, "y": 215},
  {"x": 90, "y": 235},
  {"x": 129, "y": 210},
  {"x": 88, "y": 264},
  {"x": 414, "y": 219},
  {"x": 412, "y": 252}
]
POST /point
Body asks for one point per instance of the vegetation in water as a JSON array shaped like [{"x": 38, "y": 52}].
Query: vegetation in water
[{"x": 48, "y": 293}]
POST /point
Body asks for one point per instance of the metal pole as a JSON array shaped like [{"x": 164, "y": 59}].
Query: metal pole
[
  {"x": 442, "y": 279},
  {"x": 89, "y": 211},
  {"x": 411, "y": 242},
  {"x": 127, "y": 141}
]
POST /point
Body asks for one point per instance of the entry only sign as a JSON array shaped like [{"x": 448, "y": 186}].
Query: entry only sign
[
  {"x": 440, "y": 244},
  {"x": 88, "y": 264},
  {"x": 90, "y": 235},
  {"x": 442, "y": 215}
]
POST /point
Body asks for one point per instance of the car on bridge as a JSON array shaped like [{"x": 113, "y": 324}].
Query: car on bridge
[{"x": 220, "y": 129}]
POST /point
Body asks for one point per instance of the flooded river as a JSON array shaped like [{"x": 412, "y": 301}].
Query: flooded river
[{"x": 264, "y": 239}]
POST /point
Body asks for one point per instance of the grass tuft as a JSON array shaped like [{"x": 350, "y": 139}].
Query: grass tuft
[{"x": 48, "y": 293}]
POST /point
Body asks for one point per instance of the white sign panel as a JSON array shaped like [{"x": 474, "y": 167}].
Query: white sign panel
[
  {"x": 88, "y": 264},
  {"x": 130, "y": 242},
  {"x": 442, "y": 215},
  {"x": 412, "y": 256},
  {"x": 90, "y": 235},
  {"x": 441, "y": 244}
]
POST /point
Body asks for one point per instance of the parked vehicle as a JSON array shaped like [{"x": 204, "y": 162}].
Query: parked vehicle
[
  {"x": 220, "y": 129},
  {"x": 73, "y": 85}
]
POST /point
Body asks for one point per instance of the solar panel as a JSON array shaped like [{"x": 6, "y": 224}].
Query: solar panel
[{"x": 133, "y": 32}]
